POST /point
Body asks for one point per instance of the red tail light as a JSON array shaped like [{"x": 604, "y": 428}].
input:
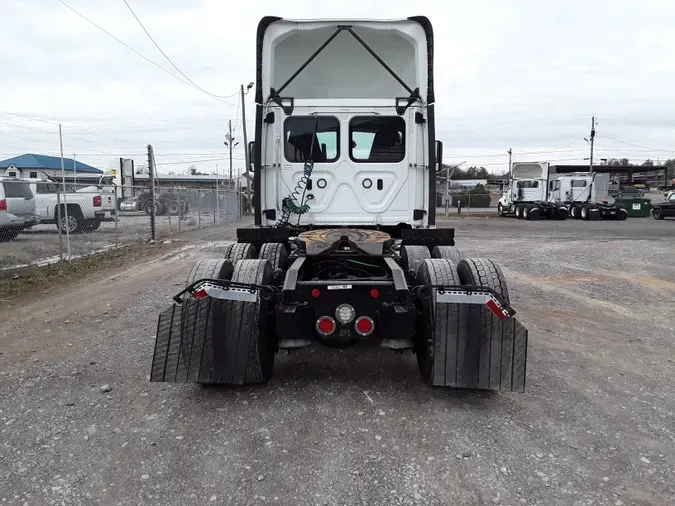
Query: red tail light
[
  {"x": 325, "y": 325},
  {"x": 97, "y": 201},
  {"x": 3, "y": 205},
  {"x": 365, "y": 326}
]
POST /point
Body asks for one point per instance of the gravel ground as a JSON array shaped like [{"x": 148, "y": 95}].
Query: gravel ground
[{"x": 81, "y": 424}]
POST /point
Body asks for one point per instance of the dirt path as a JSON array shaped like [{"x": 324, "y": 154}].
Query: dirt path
[{"x": 349, "y": 427}]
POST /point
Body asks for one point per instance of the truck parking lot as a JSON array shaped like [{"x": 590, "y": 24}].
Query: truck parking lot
[{"x": 81, "y": 424}]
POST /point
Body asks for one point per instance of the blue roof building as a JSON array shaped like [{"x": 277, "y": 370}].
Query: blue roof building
[{"x": 51, "y": 163}]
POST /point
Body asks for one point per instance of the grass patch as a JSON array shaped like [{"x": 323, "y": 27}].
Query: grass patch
[{"x": 40, "y": 279}]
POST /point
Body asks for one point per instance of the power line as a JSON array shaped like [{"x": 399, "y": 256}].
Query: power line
[
  {"x": 171, "y": 61},
  {"x": 636, "y": 145},
  {"x": 140, "y": 54}
]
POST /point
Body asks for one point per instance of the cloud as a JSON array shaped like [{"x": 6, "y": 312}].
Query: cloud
[{"x": 524, "y": 75}]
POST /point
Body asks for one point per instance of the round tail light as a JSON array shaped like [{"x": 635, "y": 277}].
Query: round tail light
[
  {"x": 365, "y": 325},
  {"x": 325, "y": 325}
]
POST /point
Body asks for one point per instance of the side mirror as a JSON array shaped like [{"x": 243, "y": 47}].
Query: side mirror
[
  {"x": 439, "y": 155},
  {"x": 251, "y": 154}
]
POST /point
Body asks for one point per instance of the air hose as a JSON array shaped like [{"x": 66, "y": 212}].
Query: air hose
[{"x": 291, "y": 205}]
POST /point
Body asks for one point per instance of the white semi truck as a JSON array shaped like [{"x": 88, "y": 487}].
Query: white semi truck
[
  {"x": 344, "y": 250},
  {"x": 586, "y": 196},
  {"x": 526, "y": 195}
]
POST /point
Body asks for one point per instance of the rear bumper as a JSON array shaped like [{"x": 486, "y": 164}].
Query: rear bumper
[{"x": 393, "y": 313}]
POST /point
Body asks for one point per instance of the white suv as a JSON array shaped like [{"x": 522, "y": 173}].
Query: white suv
[{"x": 17, "y": 208}]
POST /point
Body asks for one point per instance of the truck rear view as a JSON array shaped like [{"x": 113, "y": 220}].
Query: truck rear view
[{"x": 344, "y": 250}]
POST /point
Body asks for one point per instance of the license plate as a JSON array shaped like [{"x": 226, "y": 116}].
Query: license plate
[{"x": 339, "y": 287}]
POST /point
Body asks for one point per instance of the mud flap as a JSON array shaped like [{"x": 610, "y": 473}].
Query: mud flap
[
  {"x": 480, "y": 351},
  {"x": 191, "y": 345}
]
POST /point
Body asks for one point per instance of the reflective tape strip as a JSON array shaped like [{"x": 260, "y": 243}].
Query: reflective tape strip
[
  {"x": 460, "y": 297},
  {"x": 229, "y": 293}
]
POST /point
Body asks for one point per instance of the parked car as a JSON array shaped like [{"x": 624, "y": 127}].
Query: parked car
[
  {"x": 17, "y": 208},
  {"x": 665, "y": 209}
]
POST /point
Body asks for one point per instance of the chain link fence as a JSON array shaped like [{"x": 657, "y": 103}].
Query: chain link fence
[{"x": 44, "y": 222}]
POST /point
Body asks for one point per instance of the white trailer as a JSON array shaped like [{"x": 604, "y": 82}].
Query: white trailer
[
  {"x": 586, "y": 196},
  {"x": 526, "y": 195}
]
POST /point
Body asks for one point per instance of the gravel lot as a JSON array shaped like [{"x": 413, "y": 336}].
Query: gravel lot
[{"x": 81, "y": 424}]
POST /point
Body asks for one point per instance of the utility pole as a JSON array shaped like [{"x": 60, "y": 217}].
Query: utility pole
[
  {"x": 229, "y": 141},
  {"x": 592, "y": 140},
  {"x": 246, "y": 153}
]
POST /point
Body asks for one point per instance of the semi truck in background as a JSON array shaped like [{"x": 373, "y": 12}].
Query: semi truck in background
[
  {"x": 526, "y": 194},
  {"x": 534, "y": 192},
  {"x": 586, "y": 196}
]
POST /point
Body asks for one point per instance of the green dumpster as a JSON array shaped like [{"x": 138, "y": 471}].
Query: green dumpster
[{"x": 636, "y": 207}]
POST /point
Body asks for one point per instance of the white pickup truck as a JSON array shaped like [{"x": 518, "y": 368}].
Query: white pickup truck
[{"x": 81, "y": 211}]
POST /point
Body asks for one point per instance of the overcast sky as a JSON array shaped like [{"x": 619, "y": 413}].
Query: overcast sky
[{"x": 521, "y": 74}]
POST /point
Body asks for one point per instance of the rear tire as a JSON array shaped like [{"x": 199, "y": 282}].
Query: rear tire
[
  {"x": 239, "y": 251},
  {"x": 574, "y": 212},
  {"x": 173, "y": 208},
  {"x": 438, "y": 321},
  {"x": 622, "y": 214},
  {"x": 483, "y": 272},
  {"x": 519, "y": 212},
  {"x": 452, "y": 253},
  {"x": 412, "y": 258},
  {"x": 526, "y": 212},
  {"x": 584, "y": 213},
  {"x": 658, "y": 214},
  {"x": 197, "y": 320},
  {"x": 276, "y": 253},
  {"x": 246, "y": 351}
]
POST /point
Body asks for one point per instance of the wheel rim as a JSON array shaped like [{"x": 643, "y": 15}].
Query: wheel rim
[
  {"x": 69, "y": 224},
  {"x": 173, "y": 208}
]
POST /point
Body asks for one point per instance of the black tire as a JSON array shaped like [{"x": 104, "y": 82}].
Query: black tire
[
  {"x": 519, "y": 212},
  {"x": 75, "y": 219},
  {"x": 412, "y": 257},
  {"x": 147, "y": 208},
  {"x": 483, "y": 272},
  {"x": 535, "y": 214},
  {"x": 622, "y": 214},
  {"x": 246, "y": 354},
  {"x": 500, "y": 210},
  {"x": 585, "y": 213},
  {"x": 452, "y": 253},
  {"x": 197, "y": 320},
  {"x": 527, "y": 210},
  {"x": 594, "y": 214},
  {"x": 657, "y": 213},
  {"x": 561, "y": 213},
  {"x": 276, "y": 253},
  {"x": 574, "y": 212},
  {"x": 173, "y": 208},
  {"x": 437, "y": 321},
  {"x": 8, "y": 234},
  {"x": 239, "y": 251}
]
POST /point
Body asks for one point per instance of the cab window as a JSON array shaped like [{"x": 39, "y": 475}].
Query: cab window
[
  {"x": 302, "y": 136},
  {"x": 528, "y": 184},
  {"x": 578, "y": 183},
  {"x": 377, "y": 139}
]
